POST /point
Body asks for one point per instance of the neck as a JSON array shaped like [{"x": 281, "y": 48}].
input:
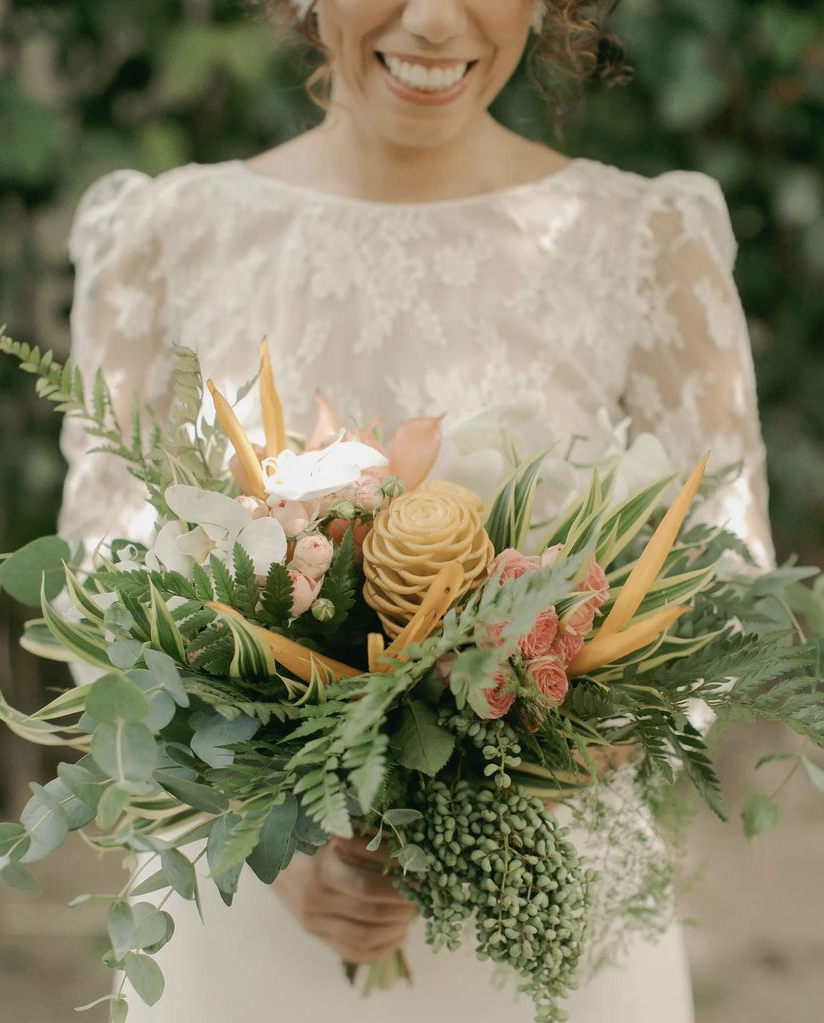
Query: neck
[{"x": 368, "y": 166}]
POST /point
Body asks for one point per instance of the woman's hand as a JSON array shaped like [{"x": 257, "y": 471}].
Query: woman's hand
[{"x": 341, "y": 896}]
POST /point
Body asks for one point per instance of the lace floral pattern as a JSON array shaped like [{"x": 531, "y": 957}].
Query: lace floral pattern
[{"x": 597, "y": 287}]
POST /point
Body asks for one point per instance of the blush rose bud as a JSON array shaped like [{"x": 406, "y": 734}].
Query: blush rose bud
[
  {"x": 257, "y": 509},
  {"x": 370, "y": 496},
  {"x": 304, "y": 592},
  {"x": 313, "y": 555}
]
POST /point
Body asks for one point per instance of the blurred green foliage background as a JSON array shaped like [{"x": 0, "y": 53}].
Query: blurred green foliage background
[{"x": 729, "y": 87}]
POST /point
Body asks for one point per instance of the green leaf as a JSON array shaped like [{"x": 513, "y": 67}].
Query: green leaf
[
  {"x": 14, "y": 840},
  {"x": 180, "y": 872},
  {"x": 121, "y": 926},
  {"x": 166, "y": 672},
  {"x": 276, "y": 843},
  {"x": 85, "y": 784},
  {"x": 150, "y": 925},
  {"x": 154, "y": 883},
  {"x": 118, "y": 620},
  {"x": 224, "y": 584},
  {"x": 161, "y": 706},
  {"x": 145, "y": 976},
  {"x": 219, "y": 838},
  {"x": 398, "y": 818},
  {"x": 815, "y": 773},
  {"x": 112, "y": 804},
  {"x": 341, "y": 583},
  {"x": 115, "y": 698},
  {"x": 85, "y": 642},
  {"x": 125, "y": 653},
  {"x": 18, "y": 877},
  {"x": 202, "y": 584},
  {"x": 46, "y": 823},
  {"x": 34, "y": 568},
  {"x": 118, "y": 1010},
  {"x": 126, "y": 752},
  {"x": 165, "y": 633},
  {"x": 213, "y": 733},
  {"x": 278, "y": 594},
  {"x": 247, "y": 588},
  {"x": 423, "y": 745},
  {"x": 413, "y": 858},
  {"x": 165, "y": 939},
  {"x": 760, "y": 814},
  {"x": 199, "y": 797},
  {"x": 472, "y": 673}
]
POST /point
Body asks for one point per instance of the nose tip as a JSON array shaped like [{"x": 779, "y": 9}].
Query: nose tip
[{"x": 437, "y": 21}]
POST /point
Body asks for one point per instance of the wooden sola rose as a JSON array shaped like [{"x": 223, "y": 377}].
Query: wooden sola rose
[{"x": 412, "y": 540}]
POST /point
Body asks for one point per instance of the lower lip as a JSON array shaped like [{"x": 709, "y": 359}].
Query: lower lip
[{"x": 424, "y": 99}]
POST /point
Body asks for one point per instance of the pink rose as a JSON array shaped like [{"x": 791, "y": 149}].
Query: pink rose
[
  {"x": 596, "y": 580},
  {"x": 542, "y": 635},
  {"x": 567, "y": 646},
  {"x": 313, "y": 555},
  {"x": 549, "y": 675},
  {"x": 369, "y": 495},
  {"x": 580, "y": 620},
  {"x": 493, "y": 635},
  {"x": 304, "y": 592},
  {"x": 501, "y": 698},
  {"x": 514, "y": 565},
  {"x": 257, "y": 509},
  {"x": 292, "y": 515}
]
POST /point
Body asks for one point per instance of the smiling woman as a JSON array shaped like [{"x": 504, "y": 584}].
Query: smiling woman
[{"x": 569, "y": 43}]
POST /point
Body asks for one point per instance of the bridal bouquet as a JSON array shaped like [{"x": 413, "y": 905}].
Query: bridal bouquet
[{"x": 319, "y": 641}]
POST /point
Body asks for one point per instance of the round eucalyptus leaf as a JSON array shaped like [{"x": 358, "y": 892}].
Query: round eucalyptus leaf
[
  {"x": 39, "y": 563},
  {"x": 145, "y": 976},
  {"x": 115, "y": 698},
  {"x": 77, "y": 811},
  {"x": 151, "y": 925},
  {"x": 125, "y": 653},
  {"x": 126, "y": 752},
  {"x": 46, "y": 823}
]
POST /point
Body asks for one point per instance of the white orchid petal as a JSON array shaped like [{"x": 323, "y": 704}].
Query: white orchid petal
[
  {"x": 315, "y": 474},
  {"x": 166, "y": 551},
  {"x": 195, "y": 545},
  {"x": 206, "y": 506},
  {"x": 265, "y": 542}
]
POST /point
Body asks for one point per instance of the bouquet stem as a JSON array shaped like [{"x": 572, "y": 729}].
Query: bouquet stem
[{"x": 383, "y": 973}]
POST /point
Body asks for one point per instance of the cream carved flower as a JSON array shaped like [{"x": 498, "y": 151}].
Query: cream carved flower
[{"x": 410, "y": 542}]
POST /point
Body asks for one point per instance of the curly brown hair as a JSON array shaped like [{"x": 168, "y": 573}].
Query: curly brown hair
[{"x": 573, "y": 46}]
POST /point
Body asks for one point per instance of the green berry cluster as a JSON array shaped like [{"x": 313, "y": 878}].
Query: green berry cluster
[{"x": 499, "y": 855}]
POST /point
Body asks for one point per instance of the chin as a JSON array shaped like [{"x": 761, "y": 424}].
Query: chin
[{"x": 420, "y": 132}]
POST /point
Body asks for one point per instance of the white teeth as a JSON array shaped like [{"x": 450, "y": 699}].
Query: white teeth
[{"x": 416, "y": 76}]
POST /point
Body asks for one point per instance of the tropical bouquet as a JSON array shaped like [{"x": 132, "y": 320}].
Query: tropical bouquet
[{"x": 320, "y": 641}]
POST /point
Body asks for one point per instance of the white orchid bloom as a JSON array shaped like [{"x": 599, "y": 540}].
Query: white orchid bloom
[
  {"x": 220, "y": 523},
  {"x": 315, "y": 474},
  {"x": 639, "y": 463}
]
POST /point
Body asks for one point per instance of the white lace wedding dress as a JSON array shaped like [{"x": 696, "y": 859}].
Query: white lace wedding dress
[{"x": 596, "y": 288}]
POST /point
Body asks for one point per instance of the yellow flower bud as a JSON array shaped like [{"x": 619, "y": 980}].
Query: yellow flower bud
[{"x": 410, "y": 542}]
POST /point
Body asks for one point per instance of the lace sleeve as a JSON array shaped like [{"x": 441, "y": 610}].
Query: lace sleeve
[
  {"x": 691, "y": 380},
  {"x": 117, "y": 325}
]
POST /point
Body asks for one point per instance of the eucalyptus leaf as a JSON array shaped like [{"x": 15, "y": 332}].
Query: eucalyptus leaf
[
  {"x": 180, "y": 872},
  {"x": 18, "y": 877},
  {"x": 115, "y": 698},
  {"x": 121, "y": 927},
  {"x": 413, "y": 858},
  {"x": 118, "y": 1010},
  {"x": 151, "y": 925},
  {"x": 112, "y": 804},
  {"x": 82, "y": 782},
  {"x": 127, "y": 752},
  {"x": 14, "y": 840},
  {"x": 38, "y": 564},
  {"x": 199, "y": 797},
  {"x": 219, "y": 838},
  {"x": 125, "y": 653},
  {"x": 276, "y": 844},
  {"x": 145, "y": 976},
  {"x": 815, "y": 773},
  {"x": 166, "y": 672},
  {"x": 153, "y": 883},
  {"x": 46, "y": 823},
  {"x": 213, "y": 733},
  {"x": 760, "y": 814},
  {"x": 397, "y": 818}
]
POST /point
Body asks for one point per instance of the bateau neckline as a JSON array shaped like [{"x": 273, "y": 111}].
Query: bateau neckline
[{"x": 318, "y": 195}]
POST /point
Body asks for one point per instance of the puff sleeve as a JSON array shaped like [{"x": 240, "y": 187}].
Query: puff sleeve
[
  {"x": 691, "y": 379},
  {"x": 117, "y": 326}
]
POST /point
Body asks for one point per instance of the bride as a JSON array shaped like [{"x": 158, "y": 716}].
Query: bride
[{"x": 412, "y": 257}]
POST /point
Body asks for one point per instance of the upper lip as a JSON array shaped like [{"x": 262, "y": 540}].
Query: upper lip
[{"x": 435, "y": 62}]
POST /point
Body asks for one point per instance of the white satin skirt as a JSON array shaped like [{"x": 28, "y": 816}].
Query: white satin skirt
[{"x": 254, "y": 962}]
